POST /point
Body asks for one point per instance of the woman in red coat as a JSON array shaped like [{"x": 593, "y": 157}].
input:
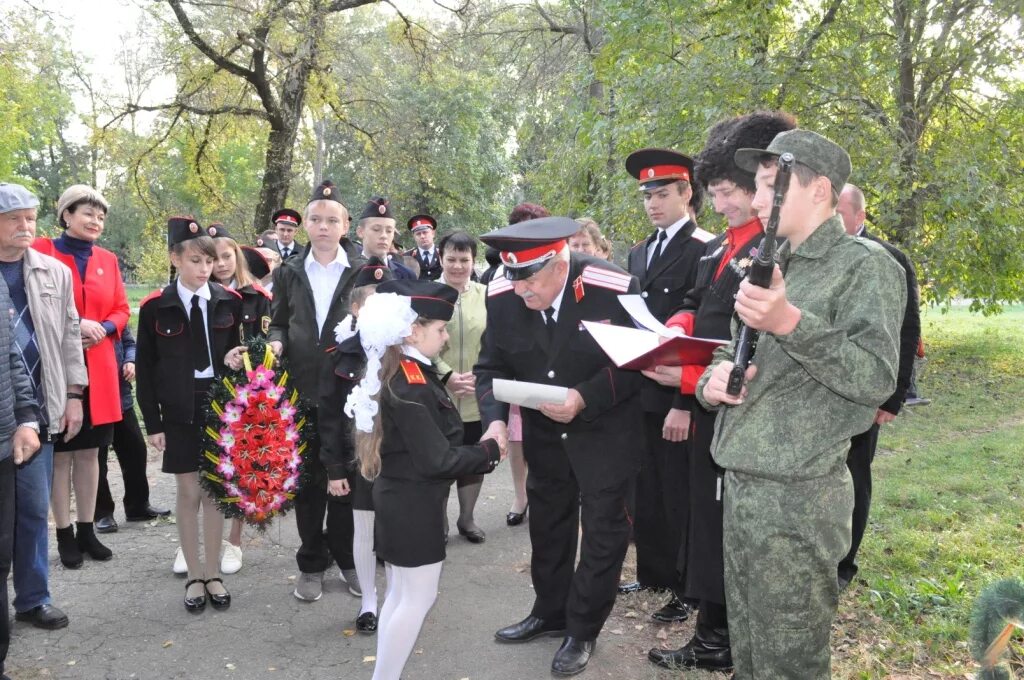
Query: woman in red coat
[{"x": 103, "y": 307}]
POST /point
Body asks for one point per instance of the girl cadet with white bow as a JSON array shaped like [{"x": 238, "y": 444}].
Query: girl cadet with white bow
[{"x": 408, "y": 436}]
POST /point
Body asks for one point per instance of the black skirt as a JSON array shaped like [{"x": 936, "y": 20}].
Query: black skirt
[
  {"x": 184, "y": 440},
  {"x": 89, "y": 437}
]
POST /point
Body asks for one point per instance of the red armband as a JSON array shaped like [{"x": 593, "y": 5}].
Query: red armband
[
  {"x": 691, "y": 374},
  {"x": 683, "y": 320}
]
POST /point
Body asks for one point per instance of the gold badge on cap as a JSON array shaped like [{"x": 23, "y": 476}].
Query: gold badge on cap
[
  {"x": 193, "y": 227},
  {"x": 650, "y": 172},
  {"x": 327, "y": 191},
  {"x": 382, "y": 209},
  {"x": 378, "y": 273},
  {"x": 212, "y": 231}
]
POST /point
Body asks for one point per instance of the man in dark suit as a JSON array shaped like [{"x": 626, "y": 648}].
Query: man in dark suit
[
  {"x": 424, "y": 228},
  {"x": 376, "y": 230},
  {"x": 707, "y": 312},
  {"x": 581, "y": 452},
  {"x": 286, "y": 223},
  {"x": 862, "y": 446},
  {"x": 310, "y": 299},
  {"x": 666, "y": 265}
]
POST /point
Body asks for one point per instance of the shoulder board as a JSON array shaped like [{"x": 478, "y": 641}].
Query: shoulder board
[
  {"x": 261, "y": 290},
  {"x": 413, "y": 372},
  {"x": 498, "y": 285},
  {"x": 606, "y": 278},
  {"x": 152, "y": 296},
  {"x": 702, "y": 236}
]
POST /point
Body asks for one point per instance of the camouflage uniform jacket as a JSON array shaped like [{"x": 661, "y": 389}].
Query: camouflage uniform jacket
[{"x": 821, "y": 384}]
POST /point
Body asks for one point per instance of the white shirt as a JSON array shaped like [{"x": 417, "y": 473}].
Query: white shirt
[
  {"x": 410, "y": 351},
  {"x": 429, "y": 257},
  {"x": 204, "y": 298},
  {"x": 281, "y": 248},
  {"x": 557, "y": 304},
  {"x": 669, "y": 233},
  {"x": 324, "y": 280}
]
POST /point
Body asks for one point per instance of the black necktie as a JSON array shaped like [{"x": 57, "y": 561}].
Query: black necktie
[
  {"x": 426, "y": 256},
  {"x": 549, "y": 321},
  {"x": 286, "y": 252},
  {"x": 657, "y": 248},
  {"x": 200, "y": 349}
]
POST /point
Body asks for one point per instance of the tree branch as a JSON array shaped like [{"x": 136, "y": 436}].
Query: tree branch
[{"x": 204, "y": 47}]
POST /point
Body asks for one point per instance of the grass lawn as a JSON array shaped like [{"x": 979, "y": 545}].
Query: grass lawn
[{"x": 948, "y": 511}]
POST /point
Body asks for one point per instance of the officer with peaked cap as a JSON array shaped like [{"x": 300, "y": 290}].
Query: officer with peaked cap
[
  {"x": 666, "y": 265},
  {"x": 828, "y": 353},
  {"x": 581, "y": 453},
  {"x": 286, "y": 223},
  {"x": 424, "y": 228}
]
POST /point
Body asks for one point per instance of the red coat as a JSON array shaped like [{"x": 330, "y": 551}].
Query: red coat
[{"x": 102, "y": 299}]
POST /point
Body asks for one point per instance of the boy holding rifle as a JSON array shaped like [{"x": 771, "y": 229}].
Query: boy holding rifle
[{"x": 826, "y": 358}]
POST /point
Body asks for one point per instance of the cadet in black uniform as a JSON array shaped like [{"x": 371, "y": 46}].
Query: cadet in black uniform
[
  {"x": 186, "y": 333},
  {"x": 411, "y": 448},
  {"x": 336, "y": 446},
  {"x": 707, "y": 312},
  {"x": 424, "y": 228},
  {"x": 583, "y": 453},
  {"x": 666, "y": 265}
]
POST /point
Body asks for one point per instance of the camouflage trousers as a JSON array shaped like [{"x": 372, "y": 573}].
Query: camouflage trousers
[{"x": 783, "y": 542}]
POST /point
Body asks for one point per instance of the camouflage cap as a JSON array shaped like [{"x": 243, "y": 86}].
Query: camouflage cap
[{"x": 820, "y": 154}]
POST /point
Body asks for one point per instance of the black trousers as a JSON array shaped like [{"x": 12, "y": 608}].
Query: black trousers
[
  {"x": 6, "y": 550},
  {"x": 312, "y": 505},
  {"x": 130, "y": 448},
  {"x": 583, "y": 596},
  {"x": 858, "y": 460},
  {"x": 660, "y": 507}
]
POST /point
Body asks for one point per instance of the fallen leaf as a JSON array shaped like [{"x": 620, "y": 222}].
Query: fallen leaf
[
  {"x": 348, "y": 632},
  {"x": 368, "y": 659},
  {"x": 639, "y": 626},
  {"x": 616, "y": 631},
  {"x": 662, "y": 634},
  {"x": 229, "y": 666},
  {"x": 72, "y": 662},
  {"x": 630, "y": 615},
  {"x": 167, "y": 644}
]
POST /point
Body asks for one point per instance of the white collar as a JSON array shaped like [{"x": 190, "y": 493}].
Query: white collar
[
  {"x": 673, "y": 230},
  {"x": 410, "y": 351},
  {"x": 557, "y": 304},
  {"x": 340, "y": 258},
  {"x": 186, "y": 295},
  {"x": 860, "y": 230}
]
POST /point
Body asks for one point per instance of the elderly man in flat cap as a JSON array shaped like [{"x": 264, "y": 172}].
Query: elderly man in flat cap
[{"x": 826, "y": 359}]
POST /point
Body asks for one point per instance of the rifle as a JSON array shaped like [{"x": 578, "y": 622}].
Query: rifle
[{"x": 760, "y": 274}]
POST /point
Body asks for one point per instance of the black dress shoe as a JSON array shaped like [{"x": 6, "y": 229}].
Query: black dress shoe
[
  {"x": 572, "y": 657},
  {"x": 630, "y": 587},
  {"x": 474, "y": 535},
  {"x": 514, "y": 519},
  {"x": 693, "y": 655},
  {"x": 673, "y": 612},
  {"x": 149, "y": 513},
  {"x": 530, "y": 628},
  {"x": 198, "y": 603},
  {"x": 221, "y": 601},
  {"x": 366, "y": 623},
  {"x": 44, "y": 616},
  {"x": 106, "y": 525}
]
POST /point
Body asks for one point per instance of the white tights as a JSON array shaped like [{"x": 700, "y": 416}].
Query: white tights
[
  {"x": 410, "y": 595},
  {"x": 365, "y": 559}
]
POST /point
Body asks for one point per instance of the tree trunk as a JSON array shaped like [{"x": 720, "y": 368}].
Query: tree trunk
[
  {"x": 910, "y": 127},
  {"x": 276, "y": 177}
]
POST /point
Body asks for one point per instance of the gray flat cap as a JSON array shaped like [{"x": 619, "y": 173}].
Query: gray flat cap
[
  {"x": 820, "y": 154},
  {"x": 16, "y": 197}
]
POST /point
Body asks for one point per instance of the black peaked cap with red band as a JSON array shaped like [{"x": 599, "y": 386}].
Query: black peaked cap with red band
[
  {"x": 378, "y": 206},
  {"x": 375, "y": 271},
  {"x": 181, "y": 229},
  {"x": 288, "y": 216},
  {"x": 429, "y": 299},
  {"x": 421, "y": 221},
  {"x": 258, "y": 265},
  {"x": 525, "y": 247},
  {"x": 658, "y": 167}
]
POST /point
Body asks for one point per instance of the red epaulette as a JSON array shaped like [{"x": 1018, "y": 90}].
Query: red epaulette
[
  {"x": 413, "y": 372},
  {"x": 260, "y": 289},
  {"x": 152, "y": 296},
  {"x": 605, "y": 278},
  {"x": 498, "y": 285},
  {"x": 233, "y": 292},
  {"x": 702, "y": 236}
]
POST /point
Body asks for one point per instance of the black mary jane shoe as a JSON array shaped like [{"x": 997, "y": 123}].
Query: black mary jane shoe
[
  {"x": 475, "y": 535},
  {"x": 366, "y": 623},
  {"x": 198, "y": 603},
  {"x": 217, "y": 601},
  {"x": 514, "y": 519},
  {"x": 572, "y": 657}
]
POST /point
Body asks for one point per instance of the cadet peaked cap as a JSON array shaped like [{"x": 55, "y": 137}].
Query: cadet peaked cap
[
  {"x": 218, "y": 230},
  {"x": 378, "y": 206},
  {"x": 818, "y": 153},
  {"x": 181, "y": 229},
  {"x": 421, "y": 222},
  {"x": 258, "y": 265},
  {"x": 429, "y": 299},
  {"x": 373, "y": 272},
  {"x": 326, "y": 191},
  {"x": 525, "y": 247},
  {"x": 16, "y": 197},
  {"x": 287, "y": 216},
  {"x": 658, "y": 167}
]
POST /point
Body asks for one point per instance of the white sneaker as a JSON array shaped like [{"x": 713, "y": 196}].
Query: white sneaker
[
  {"x": 230, "y": 558},
  {"x": 180, "y": 567},
  {"x": 349, "y": 578}
]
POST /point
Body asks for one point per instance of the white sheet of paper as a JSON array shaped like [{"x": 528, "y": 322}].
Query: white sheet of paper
[
  {"x": 528, "y": 394},
  {"x": 620, "y": 343},
  {"x": 637, "y": 309}
]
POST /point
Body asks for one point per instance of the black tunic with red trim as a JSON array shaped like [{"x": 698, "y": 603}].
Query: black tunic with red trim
[
  {"x": 421, "y": 453},
  {"x": 255, "y": 312}
]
